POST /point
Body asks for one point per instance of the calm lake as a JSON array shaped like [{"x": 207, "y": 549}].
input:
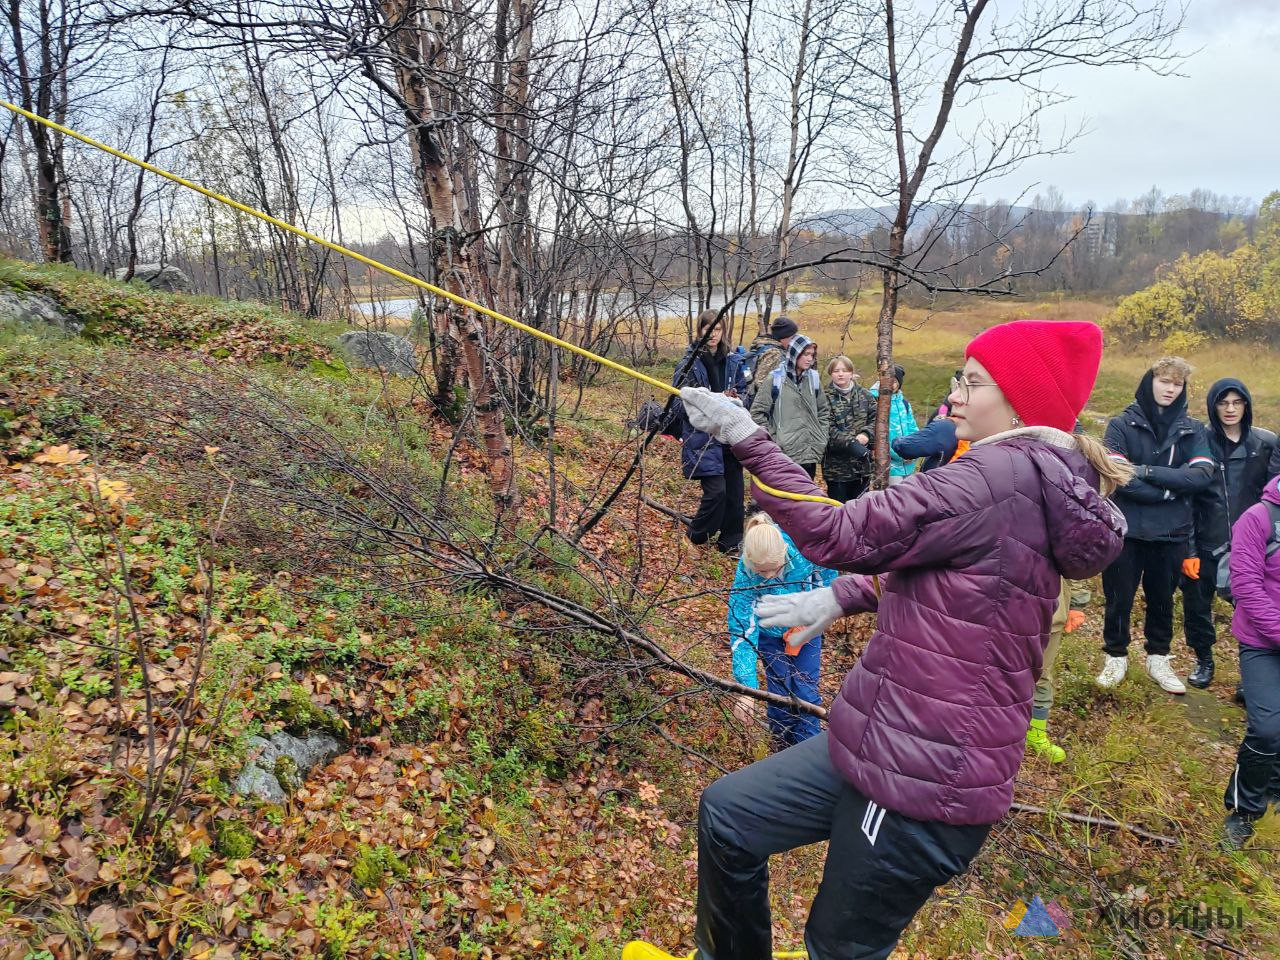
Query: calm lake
[{"x": 676, "y": 303}]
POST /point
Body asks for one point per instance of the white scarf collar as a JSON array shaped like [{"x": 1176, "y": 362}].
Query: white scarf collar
[{"x": 1050, "y": 435}]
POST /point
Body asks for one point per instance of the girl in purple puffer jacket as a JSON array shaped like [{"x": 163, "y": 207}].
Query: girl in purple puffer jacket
[
  {"x": 1255, "y": 587},
  {"x": 963, "y": 565}
]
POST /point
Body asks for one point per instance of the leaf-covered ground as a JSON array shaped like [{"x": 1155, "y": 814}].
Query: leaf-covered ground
[{"x": 499, "y": 792}]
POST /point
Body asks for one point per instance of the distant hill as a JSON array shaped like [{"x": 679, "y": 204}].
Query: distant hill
[{"x": 859, "y": 221}]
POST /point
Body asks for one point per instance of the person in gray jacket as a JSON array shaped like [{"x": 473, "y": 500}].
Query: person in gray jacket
[{"x": 792, "y": 406}]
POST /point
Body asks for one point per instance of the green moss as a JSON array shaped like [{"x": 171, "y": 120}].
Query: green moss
[
  {"x": 329, "y": 369},
  {"x": 12, "y": 276},
  {"x": 374, "y": 865},
  {"x": 234, "y": 840},
  {"x": 286, "y": 771},
  {"x": 301, "y": 716}
]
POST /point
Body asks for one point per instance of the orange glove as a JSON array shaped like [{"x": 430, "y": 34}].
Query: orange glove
[
  {"x": 793, "y": 648},
  {"x": 1191, "y": 568},
  {"x": 1075, "y": 620}
]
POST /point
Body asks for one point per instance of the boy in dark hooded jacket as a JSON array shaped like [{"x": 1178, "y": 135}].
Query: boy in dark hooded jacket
[
  {"x": 1242, "y": 456},
  {"x": 1171, "y": 463}
]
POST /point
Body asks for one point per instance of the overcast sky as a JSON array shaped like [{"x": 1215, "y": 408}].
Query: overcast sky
[{"x": 1216, "y": 127}]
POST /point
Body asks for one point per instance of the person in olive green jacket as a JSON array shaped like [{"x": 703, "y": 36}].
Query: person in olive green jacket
[{"x": 792, "y": 406}]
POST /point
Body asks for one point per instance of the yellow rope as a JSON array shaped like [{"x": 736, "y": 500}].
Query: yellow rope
[{"x": 391, "y": 271}]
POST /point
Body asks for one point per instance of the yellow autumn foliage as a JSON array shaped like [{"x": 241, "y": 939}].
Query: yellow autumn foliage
[{"x": 1234, "y": 296}]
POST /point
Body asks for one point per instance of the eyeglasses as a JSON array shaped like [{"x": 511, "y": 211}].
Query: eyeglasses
[
  {"x": 963, "y": 387},
  {"x": 1232, "y": 404}
]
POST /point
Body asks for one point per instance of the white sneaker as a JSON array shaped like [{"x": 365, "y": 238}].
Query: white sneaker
[
  {"x": 1162, "y": 673},
  {"x": 1113, "y": 671}
]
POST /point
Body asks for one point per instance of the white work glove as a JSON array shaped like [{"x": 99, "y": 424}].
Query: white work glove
[
  {"x": 724, "y": 419},
  {"x": 814, "y": 610}
]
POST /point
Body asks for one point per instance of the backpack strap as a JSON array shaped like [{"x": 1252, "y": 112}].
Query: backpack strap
[
  {"x": 779, "y": 372},
  {"x": 1273, "y": 538}
]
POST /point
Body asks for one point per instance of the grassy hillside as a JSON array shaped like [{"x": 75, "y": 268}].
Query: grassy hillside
[{"x": 262, "y": 540}]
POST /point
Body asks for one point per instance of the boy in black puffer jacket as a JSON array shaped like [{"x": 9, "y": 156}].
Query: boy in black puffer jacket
[
  {"x": 1242, "y": 455},
  {"x": 1172, "y": 463}
]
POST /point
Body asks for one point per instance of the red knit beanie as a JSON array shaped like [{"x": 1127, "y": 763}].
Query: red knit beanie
[{"x": 1045, "y": 368}]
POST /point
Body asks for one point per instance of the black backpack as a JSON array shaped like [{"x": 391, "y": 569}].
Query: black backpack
[
  {"x": 1223, "y": 581},
  {"x": 672, "y": 418}
]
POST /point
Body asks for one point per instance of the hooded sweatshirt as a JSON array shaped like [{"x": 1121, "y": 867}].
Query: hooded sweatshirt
[
  {"x": 1255, "y": 577},
  {"x": 793, "y": 407},
  {"x": 1241, "y": 471},
  {"x": 1160, "y": 418},
  {"x": 931, "y": 721},
  {"x": 1172, "y": 460},
  {"x": 902, "y": 423}
]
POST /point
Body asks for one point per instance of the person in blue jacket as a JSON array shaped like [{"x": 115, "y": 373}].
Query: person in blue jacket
[
  {"x": 711, "y": 463},
  {"x": 902, "y": 423},
  {"x": 771, "y": 564},
  {"x": 936, "y": 443}
]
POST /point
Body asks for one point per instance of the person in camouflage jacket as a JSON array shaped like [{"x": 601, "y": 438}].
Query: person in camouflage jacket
[
  {"x": 768, "y": 351},
  {"x": 846, "y": 466}
]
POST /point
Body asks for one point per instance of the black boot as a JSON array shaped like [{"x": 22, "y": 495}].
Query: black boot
[
  {"x": 1236, "y": 829},
  {"x": 1202, "y": 675}
]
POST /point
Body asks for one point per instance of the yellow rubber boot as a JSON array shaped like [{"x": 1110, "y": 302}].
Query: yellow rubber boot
[
  {"x": 1038, "y": 742},
  {"x": 639, "y": 950}
]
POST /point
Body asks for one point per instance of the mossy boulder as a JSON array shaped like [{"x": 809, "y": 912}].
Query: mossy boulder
[{"x": 278, "y": 764}]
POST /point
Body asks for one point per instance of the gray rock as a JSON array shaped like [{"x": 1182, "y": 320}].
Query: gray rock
[
  {"x": 159, "y": 276},
  {"x": 310, "y": 750},
  {"x": 36, "y": 308},
  {"x": 280, "y": 762},
  {"x": 258, "y": 784},
  {"x": 385, "y": 352}
]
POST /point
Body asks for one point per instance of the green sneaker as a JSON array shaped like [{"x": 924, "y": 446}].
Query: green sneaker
[{"x": 1038, "y": 742}]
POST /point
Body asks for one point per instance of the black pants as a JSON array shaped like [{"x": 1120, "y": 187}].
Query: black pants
[
  {"x": 720, "y": 510},
  {"x": 881, "y": 867},
  {"x": 1255, "y": 782},
  {"x": 1197, "y": 606},
  {"x": 1156, "y": 565},
  {"x": 846, "y": 490}
]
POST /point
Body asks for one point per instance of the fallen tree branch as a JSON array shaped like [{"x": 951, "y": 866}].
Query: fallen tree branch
[
  {"x": 1094, "y": 821},
  {"x": 661, "y": 508},
  {"x": 687, "y": 749},
  {"x": 597, "y": 624}
]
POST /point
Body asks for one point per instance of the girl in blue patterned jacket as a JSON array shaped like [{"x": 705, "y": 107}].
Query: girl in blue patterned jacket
[
  {"x": 902, "y": 423},
  {"x": 771, "y": 564}
]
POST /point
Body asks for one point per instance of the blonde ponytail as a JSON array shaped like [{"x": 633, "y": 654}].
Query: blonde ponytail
[
  {"x": 762, "y": 543},
  {"x": 1112, "y": 471}
]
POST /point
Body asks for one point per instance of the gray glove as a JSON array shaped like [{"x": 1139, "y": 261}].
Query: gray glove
[
  {"x": 715, "y": 414},
  {"x": 814, "y": 610}
]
